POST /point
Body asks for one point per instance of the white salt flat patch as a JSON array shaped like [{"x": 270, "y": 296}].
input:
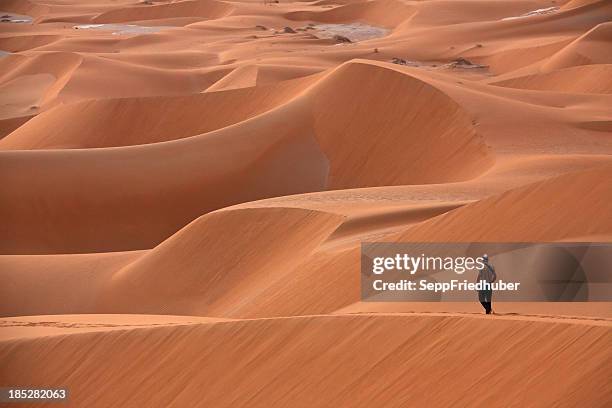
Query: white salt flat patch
[
  {"x": 123, "y": 29},
  {"x": 353, "y": 31},
  {"x": 538, "y": 12},
  {"x": 14, "y": 18}
]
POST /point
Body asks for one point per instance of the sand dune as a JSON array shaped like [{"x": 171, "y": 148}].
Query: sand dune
[
  {"x": 580, "y": 79},
  {"x": 259, "y": 260},
  {"x": 322, "y": 360},
  {"x": 57, "y": 283},
  {"x": 545, "y": 220},
  {"x": 162, "y": 119},
  {"x": 25, "y": 7},
  {"x": 41, "y": 76},
  {"x": 16, "y": 43},
  {"x": 268, "y": 165},
  {"x": 447, "y": 139},
  {"x": 588, "y": 49},
  {"x": 9, "y": 125},
  {"x": 186, "y": 8},
  {"x": 479, "y": 221},
  {"x": 196, "y": 277},
  {"x": 185, "y": 186},
  {"x": 387, "y": 13},
  {"x": 334, "y": 162}
]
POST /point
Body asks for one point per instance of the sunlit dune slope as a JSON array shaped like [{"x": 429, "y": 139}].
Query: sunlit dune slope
[
  {"x": 546, "y": 211},
  {"x": 57, "y": 283},
  {"x": 185, "y": 186},
  {"x": 188, "y": 8},
  {"x": 195, "y": 272},
  {"x": 335, "y": 125},
  {"x": 588, "y": 49},
  {"x": 209, "y": 272},
  {"x": 480, "y": 221},
  {"x": 387, "y": 13},
  {"x": 580, "y": 79},
  {"x": 320, "y": 361}
]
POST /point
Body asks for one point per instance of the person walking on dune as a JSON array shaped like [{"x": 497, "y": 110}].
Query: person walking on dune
[{"x": 488, "y": 275}]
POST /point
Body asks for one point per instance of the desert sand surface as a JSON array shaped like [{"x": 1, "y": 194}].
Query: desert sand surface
[{"x": 185, "y": 186}]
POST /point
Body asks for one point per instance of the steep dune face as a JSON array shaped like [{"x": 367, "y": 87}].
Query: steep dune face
[
  {"x": 132, "y": 121},
  {"x": 322, "y": 361},
  {"x": 434, "y": 142},
  {"x": 578, "y": 3}
]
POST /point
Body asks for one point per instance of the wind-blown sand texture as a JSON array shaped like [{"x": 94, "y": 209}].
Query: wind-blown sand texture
[{"x": 185, "y": 185}]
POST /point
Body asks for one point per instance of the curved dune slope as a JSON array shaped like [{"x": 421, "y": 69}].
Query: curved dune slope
[
  {"x": 355, "y": 121},
  {"x": 184, "y": 193},
  {"x": 30, "y": 83},
  {"x": 135, "y": 121},
  {"x": 209, "y": 278},
  {"x": 350, "y": 121},
  {"x": 322, "y": 361},
  {"x": 545, "y": 211},
  {"x": 590, "y": 48},
  {"x": 388, "y": 13},
  {"x": 350, "y": 217},
  {"x": 75, "y": 77},
  {"x": 580, "y": 79},
  {"x": 57, "y": 284},
  {"x": 9, "y": 125},
  {"x": 25, "y": 7},
  {"x": 16, "y": 43},
  {"x": 209, "y": 9},
  {"x": 132, "y": 198},
  {"x": 503, "y": 45},
  {"x": 555, "y": 213},
  {"x": 578, "y": 3},
  {"x": 241, "y": 77},
  {"x": 196, "y": 271},
  {"x": 324, "y": 146}
]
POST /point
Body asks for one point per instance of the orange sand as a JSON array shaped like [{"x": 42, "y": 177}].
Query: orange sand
[{"x": 182, "y": 209}]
